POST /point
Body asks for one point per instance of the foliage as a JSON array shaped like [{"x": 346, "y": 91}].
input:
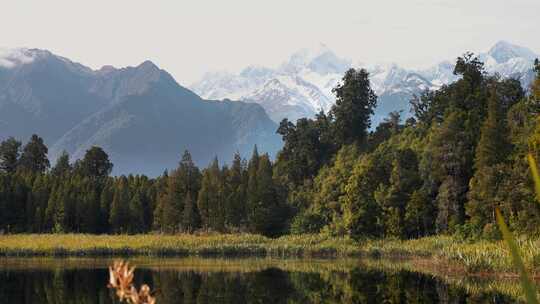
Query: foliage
[{"x": 444, "y": 171}]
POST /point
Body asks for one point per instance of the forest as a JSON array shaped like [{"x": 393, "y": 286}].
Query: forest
[{"x": 444, "y": 170}]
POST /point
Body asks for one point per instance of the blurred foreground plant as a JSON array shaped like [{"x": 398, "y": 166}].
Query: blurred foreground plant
[
  {"x": 528, "y": 286},
  {"x": 121, "y": 279}
]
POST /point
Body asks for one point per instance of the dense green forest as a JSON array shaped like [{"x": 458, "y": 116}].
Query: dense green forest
[{"x": 444, "y": 170}]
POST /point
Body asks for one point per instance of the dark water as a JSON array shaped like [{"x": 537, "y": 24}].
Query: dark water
[{"x": 223, "y": 281}]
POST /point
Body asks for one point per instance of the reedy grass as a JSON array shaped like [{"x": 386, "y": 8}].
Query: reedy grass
[
  {"x": 174, "y": 245},
  {"x": 470, "y": 257}
]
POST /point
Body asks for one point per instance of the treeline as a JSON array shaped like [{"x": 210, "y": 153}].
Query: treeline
[
  {"x": 444, "y": 170},
  {"x": 83, "y": 197}
]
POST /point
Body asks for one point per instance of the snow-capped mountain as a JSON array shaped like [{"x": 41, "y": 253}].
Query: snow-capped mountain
[{"x": 302, "y": 85}]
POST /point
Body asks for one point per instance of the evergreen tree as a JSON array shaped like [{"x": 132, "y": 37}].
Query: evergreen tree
[
  {"x": 119, "y": 214},
  {"x": 62, "y": 167},
  {"x": 9, "y": 155},
  {"x": 190, "y": 216},
  {"x": 188, "y": 176},
  {"x": 88, "y": 206},
  {"x": 105, "y": 200},
  {"x": 34, "y": 155},
  {"x": 252, "y": 194},
  {"x": 236, "y": 198},
  {"x": 215, "y": 198},
  {"x": 40, "y": 197},
  {"x": 491, "y": 151},
  {"x": 172, "y": 205},
  {"x": 136, "y": 222},
  {"x": 95, "y": 163},
  {"x": 265, "y": 211}
]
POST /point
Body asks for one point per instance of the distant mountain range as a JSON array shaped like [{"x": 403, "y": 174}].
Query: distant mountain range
[
  {"x": 139, "y": 115},
  {"x": 302, "y": 85},
  {"x": 144, "y": 119}
]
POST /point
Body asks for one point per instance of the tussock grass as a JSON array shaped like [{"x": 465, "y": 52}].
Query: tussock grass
[
  {"x": 470, "y": 257},
  {"x": 174, "y": 245}
]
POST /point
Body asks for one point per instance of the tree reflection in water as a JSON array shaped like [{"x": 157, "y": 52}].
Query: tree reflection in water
[{"x": 265, "y": 285}]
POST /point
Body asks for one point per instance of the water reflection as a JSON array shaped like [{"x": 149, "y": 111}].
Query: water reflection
[{"x": 236, "y": 281}]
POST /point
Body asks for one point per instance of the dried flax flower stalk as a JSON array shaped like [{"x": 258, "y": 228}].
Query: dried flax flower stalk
[{"x": 121, "y": 279}]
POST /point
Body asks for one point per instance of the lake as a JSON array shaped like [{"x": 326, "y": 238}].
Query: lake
[{"x": 251, "y": 280}]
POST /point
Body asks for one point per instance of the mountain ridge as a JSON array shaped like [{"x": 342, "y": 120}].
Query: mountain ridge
[
  {"x": 140, "y": 115},
  {"x": 322, "y": 69}
]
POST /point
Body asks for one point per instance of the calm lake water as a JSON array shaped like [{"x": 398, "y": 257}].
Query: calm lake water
[{"x": 195, "y": 280}]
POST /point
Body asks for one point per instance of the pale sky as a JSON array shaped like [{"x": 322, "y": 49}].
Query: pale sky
[{"x": 189, "y": 38}]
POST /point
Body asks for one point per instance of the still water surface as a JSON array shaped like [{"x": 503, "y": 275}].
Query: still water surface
[{"x": 195, "y": 280}]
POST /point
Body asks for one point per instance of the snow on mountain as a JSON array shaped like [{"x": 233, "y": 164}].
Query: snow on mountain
[
  {"x": 504, "y": 51},
  {"x": 302, "y": 85},
  {"x": 439, "y": 74},
  {"x": 12, "y": 57}
]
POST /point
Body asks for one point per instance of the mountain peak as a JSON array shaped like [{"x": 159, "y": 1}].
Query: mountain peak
[
  {"x": 320, "y": 59},
  {"x": 10, "y": 58},
  {"x": 306, "y": 55},
  {"x": 148, "y": 65},
  {"x": 503, "y": 51},
  {"x": 107, "y": 69}
]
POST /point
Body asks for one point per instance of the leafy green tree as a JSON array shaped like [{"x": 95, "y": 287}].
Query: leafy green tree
[
  {"x": 355, "y": 102},
  {"x": 493, "y": 149},
  {"x": 361, "y": 213},
  {"x": 451, "y": 152},
  {"x": 308, "y": 145},
  {"x": 320, "y": 203},
  {"x": 387, "y": 128},
  {"x": 393, "y": 198},
  {"x": 420, "y": 215},
  {"x": 470, "y": 68}
]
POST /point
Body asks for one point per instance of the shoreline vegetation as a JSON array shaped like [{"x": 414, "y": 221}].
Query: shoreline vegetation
[{"x": 440, "y": 253}]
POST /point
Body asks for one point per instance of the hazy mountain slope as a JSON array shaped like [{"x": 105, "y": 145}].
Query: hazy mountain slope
[
  {"x": 47, "y": 94},
  {"x": 139, "y": 115}
]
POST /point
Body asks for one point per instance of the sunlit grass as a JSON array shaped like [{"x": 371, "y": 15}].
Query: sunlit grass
[
  {"x": 174, "y": 245},
  {"x": 470, "y": 257}
]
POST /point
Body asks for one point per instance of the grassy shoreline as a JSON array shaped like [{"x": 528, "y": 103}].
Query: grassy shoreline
[{"x": 469, "y": 257}]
